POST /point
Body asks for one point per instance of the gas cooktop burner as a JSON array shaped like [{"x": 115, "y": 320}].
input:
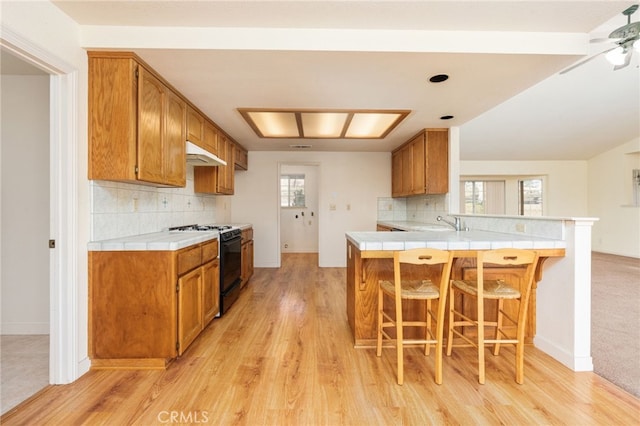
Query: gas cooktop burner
[{"x": 219, "y": 228}]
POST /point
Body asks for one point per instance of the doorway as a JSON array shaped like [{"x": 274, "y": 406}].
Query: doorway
[
  {"x": 298, "y": 208},
  {"x": 66, "y": 320},
  {"x": 25, "y": 333}
]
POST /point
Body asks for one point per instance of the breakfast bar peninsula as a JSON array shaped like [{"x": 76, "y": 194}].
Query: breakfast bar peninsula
[{"x": 559, "y": 314}]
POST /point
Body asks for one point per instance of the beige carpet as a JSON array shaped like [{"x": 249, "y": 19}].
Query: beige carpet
[
  {"x": 615, "y": 320},
  {"x": 24, "y": 368}
]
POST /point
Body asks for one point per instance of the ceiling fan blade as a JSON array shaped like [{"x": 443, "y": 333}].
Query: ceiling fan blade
[
  {"x": 603, "y": 39},
  {"x": 566, "y": 70}
]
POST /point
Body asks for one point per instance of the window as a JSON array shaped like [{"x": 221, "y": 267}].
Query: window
[
  {"x": 530, "y": 197},
  {"x": 482, "y": 197},
  {"x": 292, "y": 190}
]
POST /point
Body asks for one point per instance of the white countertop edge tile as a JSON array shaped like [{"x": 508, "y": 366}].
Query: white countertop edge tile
[{"x": 157, "y": 241}]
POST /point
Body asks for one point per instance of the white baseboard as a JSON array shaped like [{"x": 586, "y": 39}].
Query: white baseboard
[
  {"x": 567, "y": 359},
  {"x": 25, "y": 328}
]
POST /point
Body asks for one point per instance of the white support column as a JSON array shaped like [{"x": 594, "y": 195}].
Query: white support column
[
  {"x": 454, "y": 171},
  {"x": 564, "y": 300}
]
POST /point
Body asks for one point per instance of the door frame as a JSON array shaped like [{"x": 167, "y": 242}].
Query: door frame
[
  {"x": 64, "y": 358},
  {"x": 318, "y": 176}
]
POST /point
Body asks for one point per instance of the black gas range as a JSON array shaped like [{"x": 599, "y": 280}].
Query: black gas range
[{"x": 230, "y": 254}]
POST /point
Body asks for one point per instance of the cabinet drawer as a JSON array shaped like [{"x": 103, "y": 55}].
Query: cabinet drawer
[
  {"x": 209, "y": 251},
  {"x": 189, "y": 258}
]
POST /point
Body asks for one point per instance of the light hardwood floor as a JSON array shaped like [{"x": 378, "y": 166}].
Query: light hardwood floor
[{"x": 283, "y": 355}]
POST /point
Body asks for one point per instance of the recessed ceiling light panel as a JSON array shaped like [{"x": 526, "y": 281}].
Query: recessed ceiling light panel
[
  {"x": 322, "y": 124},
  {"x": 274, "y": 124},
  {"x": 368, "y": 125}
]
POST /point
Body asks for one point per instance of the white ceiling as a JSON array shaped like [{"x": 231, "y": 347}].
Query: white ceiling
[{"x": 503, "y": 59}]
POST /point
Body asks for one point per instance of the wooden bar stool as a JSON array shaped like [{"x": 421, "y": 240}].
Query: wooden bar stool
[
  {"x": 422, "y": 289},
  {"x": 487, "y": 286}
]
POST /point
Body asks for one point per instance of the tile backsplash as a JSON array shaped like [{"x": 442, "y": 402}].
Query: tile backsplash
[
  {"x": 423, "y": 208},
  {"x": 122, "y": 209}
]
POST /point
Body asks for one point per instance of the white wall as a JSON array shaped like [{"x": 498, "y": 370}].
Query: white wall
[
  {"x": 610, "y": 199},
  {"x": 565, "y": 182},
  {"x": 346, "y": 179},
  {"x": 25, "y": 204}
]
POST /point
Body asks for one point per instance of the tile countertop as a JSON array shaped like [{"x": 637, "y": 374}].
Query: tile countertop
[
  {"x": 161, "y": 241},
  {"x": 449, "y": 240},
  {"x": 416, "y": 226}
]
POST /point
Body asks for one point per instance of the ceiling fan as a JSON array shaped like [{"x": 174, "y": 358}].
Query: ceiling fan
[{"x": 626, "y": 38}]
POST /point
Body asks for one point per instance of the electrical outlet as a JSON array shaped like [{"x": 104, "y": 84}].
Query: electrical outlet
[
  {"x": 348, "y": 206},
  {"x": 286, "y": 246},
  {"x": 521, "y": 227},
  {"x": 332, "y": 206},
  {"x": 134, "y": 204}
]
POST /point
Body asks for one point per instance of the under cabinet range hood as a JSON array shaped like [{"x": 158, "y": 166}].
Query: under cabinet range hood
[{"x": 201, "y": 157}]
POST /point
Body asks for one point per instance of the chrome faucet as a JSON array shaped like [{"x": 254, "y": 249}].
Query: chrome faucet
[{"x": 457, "y": 224}]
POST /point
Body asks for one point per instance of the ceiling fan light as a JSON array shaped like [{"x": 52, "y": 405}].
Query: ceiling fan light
[{"x": 616, "y": 56}]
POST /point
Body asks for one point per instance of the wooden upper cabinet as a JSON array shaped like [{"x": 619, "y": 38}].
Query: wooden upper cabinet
[
  {"x": 437, "y": 161},
  {"x": 195, "y": 127},
  {"x": 421, "y": 165},
  {"x": 225, "y": 173},
  {"x": 210, "y": 138},
  {"x": 418, "y": 165},
  {"x": 220, "y": 179},
  {"x": 174, "y": 140},
  {"x": 137, "y": 123},
  {"x": 241, "y": 158},
  {"x": 396, "y": 173},
  {"x": 150, "y": 127},
  {"x": 201, "y": 131}
]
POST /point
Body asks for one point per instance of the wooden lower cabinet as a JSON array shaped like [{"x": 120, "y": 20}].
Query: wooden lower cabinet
[
  {"x": 366, "y": 268},
  {"x": 210, "y": 291},
  {"x": 247, "y": 256},
  {"x": 147, "y": 307}
]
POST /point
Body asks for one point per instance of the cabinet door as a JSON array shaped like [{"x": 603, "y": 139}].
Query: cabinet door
[
  {"x": 396, "y": 174},
  {"x": 230, "y": 168},
  {"x": 250, "y": 260},
  {"x": 244, "y": 273},
  {"x": 437, "y": 161},
  {"x": 241, "y": 160},
  {"x": 225, "y": 173},
  {"x": 195, "y": 127},
  {"x": 189, "y": 308},
  {"x": 112, "y": 114},
  {"x": 150, "y": 127},
  {"x": 407, "y": 170},
  {"x": 210, "y": 291},
  {"x": 174, "y": 139},
  {"x": 210, "y": 138},
  {"x": 418, "y": 165}
]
